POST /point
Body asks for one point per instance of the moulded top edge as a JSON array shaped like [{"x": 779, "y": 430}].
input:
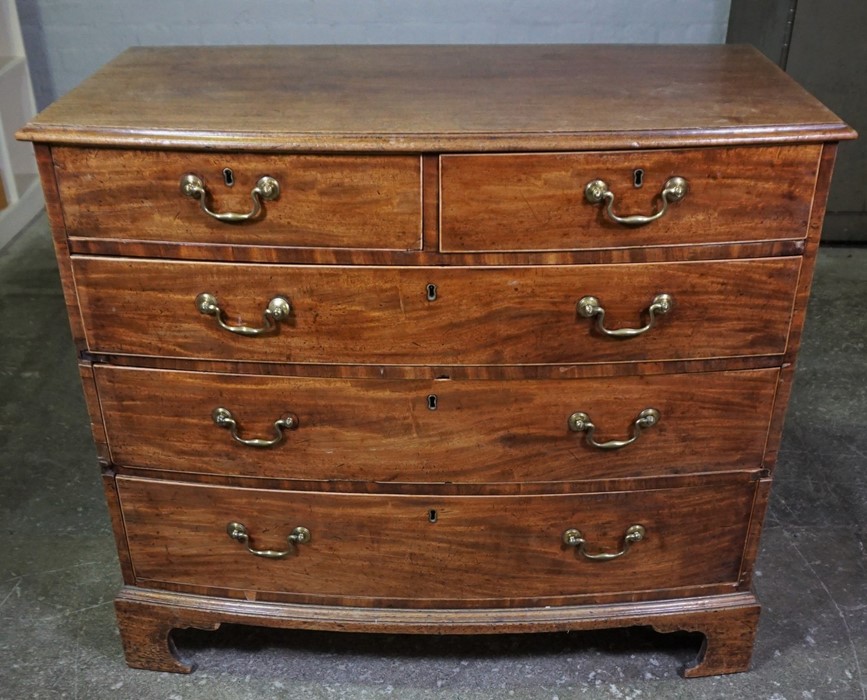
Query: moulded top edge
[{"x": 429, "y": 143}]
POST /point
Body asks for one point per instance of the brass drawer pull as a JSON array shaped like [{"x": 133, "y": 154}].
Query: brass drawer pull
[
  {"x": 674, "y": 190},
  {"x": 580, "y": 422},
  {"x": 574, "y": 538},
  {"x": 267, "y": 188},
  {"x": 589, "y": 306},
  {"x": 278, "y": 309},
  {"x": 223, "y": 417},
  {"x": 238, "y": 532}
]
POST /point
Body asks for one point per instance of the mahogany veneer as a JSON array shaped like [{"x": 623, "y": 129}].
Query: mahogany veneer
[
  {"x": 481, "y": 316},
  {"x": 431, "y": 435},
  {"x": 162, "y": 420},
  {"x": 326, "y": 201},
  {"x": 528, "y": 201}
]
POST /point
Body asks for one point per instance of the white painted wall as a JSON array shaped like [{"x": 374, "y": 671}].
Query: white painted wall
[{"x": 69, "y": 39}]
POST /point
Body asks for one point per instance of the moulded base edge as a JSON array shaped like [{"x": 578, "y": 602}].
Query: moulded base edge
[{"x": 146, "y": 618}]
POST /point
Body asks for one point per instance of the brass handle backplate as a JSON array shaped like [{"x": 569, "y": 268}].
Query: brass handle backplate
[
  {"x": 574, "y": 538},
  {"x": 579, "y": 422},
  {"x": 674, "y": 190},
  {"x": 267, "y": 188},
  {"x": 589, "y": 307},
  {"x": 223, "y": 417},
  {"x": 278, "y": 309},
  {"x": 239, "y": 533}
]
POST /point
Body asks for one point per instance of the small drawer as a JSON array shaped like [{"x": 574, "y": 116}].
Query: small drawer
[
  {"x": 322, "y": 201},
  {"x": 436, "y": 316},
  {"x": 526, "y": 202},
  {"x": 434, "y": 550},
  {"x": 457, "y": 431}
]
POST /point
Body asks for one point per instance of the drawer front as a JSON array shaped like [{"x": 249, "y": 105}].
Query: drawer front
[
  {"x": 478, "y": 431},
  {"x": 324, "y": 201},
  {"x": 478, "y": 547},
  {"x": 537, "y": 202},
  {"x": 496, "y": 316}
]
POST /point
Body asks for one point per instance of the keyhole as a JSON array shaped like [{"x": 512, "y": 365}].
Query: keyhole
[
  {"x": 431, "y": 291},
  {"x": 638, "y": 177},
  {"x": 228, "y": 177},
  {"x": 432, "y": 402},
  {"x": 432, "y": 516}
]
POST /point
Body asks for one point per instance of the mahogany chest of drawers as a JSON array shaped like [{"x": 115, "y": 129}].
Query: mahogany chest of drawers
[{"x": 437, "y": 339}]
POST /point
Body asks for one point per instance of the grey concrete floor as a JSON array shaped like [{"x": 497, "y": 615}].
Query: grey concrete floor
[{"x": 58, "y": 570}]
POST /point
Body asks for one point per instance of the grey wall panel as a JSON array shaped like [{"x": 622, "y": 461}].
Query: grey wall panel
[{"x": 829, "y": 57}]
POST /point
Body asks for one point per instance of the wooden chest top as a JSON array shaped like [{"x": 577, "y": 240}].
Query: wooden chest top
[{"x": 437, "y": 98}]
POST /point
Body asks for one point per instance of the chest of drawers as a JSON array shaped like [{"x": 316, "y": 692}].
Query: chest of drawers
[{"x": 437, "y": 339}]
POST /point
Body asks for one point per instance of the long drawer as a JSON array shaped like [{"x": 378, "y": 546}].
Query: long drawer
[
  {"x": 334, "y": 201},
  {"x": 537, "y": 201},
  {"x": 434, "y": 431},
  {"x": 434, "y": 549},
  {"x": 439, "y": 316}
]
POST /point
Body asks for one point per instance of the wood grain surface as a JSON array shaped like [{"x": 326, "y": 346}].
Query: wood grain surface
[
  {"x": 326, "y": 201},
  {"x": 480, "y": 431},
  {"x": 536, "y": 201},
  {"x": 431, "y": 372},
  {"x": 478, "y": 549},
  {"x": 436, "y": 98},
  {"x": 497, "y": 316},
  {"x": 727, "y": 621},
  {"x": 239, "y": 252},
  {"x": 708, "y": 479}
]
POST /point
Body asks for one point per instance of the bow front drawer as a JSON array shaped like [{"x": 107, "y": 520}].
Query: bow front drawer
[
  {"x": 434, "y": 550},
  {"x": 439, "y": 316},
  {"x": 417, "y": 430},
  {"x": 251, "y": 199},
  {"x": 518, "y": 202}
]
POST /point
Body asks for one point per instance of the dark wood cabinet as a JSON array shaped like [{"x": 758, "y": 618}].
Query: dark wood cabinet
[{"x": 437, "y": 339}]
